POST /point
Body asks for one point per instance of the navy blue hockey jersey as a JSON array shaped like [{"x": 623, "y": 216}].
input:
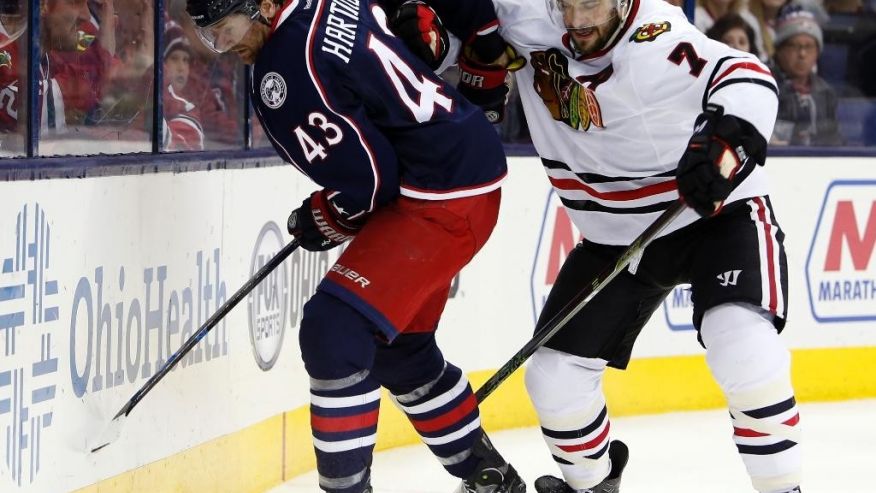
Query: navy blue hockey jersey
[{"x": 343, "y": 100}]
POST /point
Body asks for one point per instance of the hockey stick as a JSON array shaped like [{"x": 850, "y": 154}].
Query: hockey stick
[
  {"x": 112, "y": 430},
  {"x": 583, "y": 297}
]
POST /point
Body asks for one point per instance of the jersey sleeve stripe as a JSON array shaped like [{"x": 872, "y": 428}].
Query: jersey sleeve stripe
[
  {"x": 759, "y": 82},
  {"x": 759, "y": 77},
  {"x": 741, "y": 66}
]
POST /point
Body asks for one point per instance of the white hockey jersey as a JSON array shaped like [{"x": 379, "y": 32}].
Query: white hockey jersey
[{"x": 616, "y": 173}]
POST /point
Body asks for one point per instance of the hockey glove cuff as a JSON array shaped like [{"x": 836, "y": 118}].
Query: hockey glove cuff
[
  {"x": 485, "y": 83},
  {"x": 721, "y": 153},
  {"x": 318, "y": 226},
  {"x": 422, "y": 31}
]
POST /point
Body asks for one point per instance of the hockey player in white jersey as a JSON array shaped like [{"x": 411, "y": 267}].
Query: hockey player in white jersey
[{"x": 630, "y": 107}]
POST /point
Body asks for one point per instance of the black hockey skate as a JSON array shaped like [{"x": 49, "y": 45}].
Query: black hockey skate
[
  {"x": 617, "y": 452},
  {"x": 493, "y": 474}
]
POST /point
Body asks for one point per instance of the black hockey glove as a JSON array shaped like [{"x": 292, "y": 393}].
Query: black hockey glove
[
  {"x": 566, "y": 99},
  {"x": 421, "y": 30},
  {"x": 483, "y": 73},
  {"x": 723, "y": 150},
  {"x": 318, "y": 226}
]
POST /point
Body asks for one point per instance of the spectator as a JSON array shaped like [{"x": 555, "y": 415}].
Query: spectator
[
  {"x": 735, "y": 32},
  {"x": 182, "y": 124},
  {"x": 807, "y": 104},
  {"x": 766, "y": 13},
  {"x": 71, "y": 79},
  {"x": 707, "y": 12},
  {"x": 80, "y": 74},
  {"x": 12, "y": 25},
  {"x": 217, "y": 81}
]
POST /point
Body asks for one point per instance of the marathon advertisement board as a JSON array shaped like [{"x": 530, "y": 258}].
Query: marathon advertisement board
[{"x": 841, "y": 265}]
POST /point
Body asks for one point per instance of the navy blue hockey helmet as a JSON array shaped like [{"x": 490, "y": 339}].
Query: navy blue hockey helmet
[{"x": 222, "y": 23}]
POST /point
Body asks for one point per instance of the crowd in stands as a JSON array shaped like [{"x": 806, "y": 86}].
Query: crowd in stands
[
  {"x": 96, "y": 80},
  {"x": 822, "y": 54}
]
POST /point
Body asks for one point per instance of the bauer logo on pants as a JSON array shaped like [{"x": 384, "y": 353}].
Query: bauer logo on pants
[
  {"x": 841, "y": 265},
  {"x": 268, "y": 303}
]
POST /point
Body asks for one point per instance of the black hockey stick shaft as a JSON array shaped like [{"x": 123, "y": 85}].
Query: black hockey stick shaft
[
  {"x": 195, "y": 338},
  {"x": 558, "y": 321}
]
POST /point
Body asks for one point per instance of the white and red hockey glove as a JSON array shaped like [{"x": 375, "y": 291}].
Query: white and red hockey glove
[
  {"x": 319, "y": 225},
  {"x": 722, "y": 151}
]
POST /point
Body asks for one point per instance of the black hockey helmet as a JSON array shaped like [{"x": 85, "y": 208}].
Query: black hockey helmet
[
  {"x": 223, "y": 23},
  {"x": 208, "y": 12}
]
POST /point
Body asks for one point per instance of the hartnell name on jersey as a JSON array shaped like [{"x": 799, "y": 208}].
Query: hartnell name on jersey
[{"x": 340, "y": 32}]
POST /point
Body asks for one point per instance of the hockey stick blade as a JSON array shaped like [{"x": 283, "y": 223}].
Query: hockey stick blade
[
  {"x": 114, "y": 428},
  {"x": 583, "y": 297},
  {"x": 111, "y": 432}
]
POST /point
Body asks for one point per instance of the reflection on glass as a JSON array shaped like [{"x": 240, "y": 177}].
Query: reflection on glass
[
  {"x": 98, "y": 57},
  {"x": 13, "y": 77},
  {"x": 211, "y": 86},
  {"x": 259, "y": 139}
]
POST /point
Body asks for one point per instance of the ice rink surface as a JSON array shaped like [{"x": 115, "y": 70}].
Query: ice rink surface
[{"x": 690, "y": 452}]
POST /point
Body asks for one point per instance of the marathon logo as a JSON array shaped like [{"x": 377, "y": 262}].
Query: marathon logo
[
  {"x": 678, "y": 308},
  {"x": 840, "y": 268}
]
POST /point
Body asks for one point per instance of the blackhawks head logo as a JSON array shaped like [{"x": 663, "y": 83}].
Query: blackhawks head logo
[
  {"x": 650, "y": 31},
  {"x": 567, "y": 100}
]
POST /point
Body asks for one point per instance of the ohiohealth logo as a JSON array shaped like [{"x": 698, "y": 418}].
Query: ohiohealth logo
[
  {"x": 841, "y": 266},
  {"x": 28, "y": 324},
  {"x": 269, "y": 302}
]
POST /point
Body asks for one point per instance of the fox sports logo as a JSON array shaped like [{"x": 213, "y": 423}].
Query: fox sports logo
[{"x": 269, "y": 300}]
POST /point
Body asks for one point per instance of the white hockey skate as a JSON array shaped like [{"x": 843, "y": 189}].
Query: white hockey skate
[{"x": 617, "y": 452}]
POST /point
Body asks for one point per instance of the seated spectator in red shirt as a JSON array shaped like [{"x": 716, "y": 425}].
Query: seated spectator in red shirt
[
  {"x": 80, "y": 73},
  {"x": 807, "y": 103},
  {"x": 182, "y": 124}
]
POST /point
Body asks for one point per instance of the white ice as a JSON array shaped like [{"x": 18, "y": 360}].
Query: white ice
[{"x": 690, "y": 452}]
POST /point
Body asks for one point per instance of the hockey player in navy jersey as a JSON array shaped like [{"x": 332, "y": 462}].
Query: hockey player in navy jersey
[
  {"x": 410, "y": 172},
  {"x": 629, "y": 107}
]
